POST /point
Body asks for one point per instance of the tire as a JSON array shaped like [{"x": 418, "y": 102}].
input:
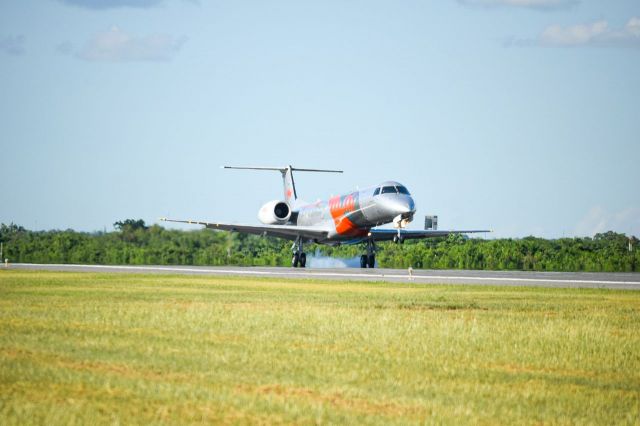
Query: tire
[
  {"x": 363, "y": 261},
  {"x": 294, "y": 260},
  {"x": 371, "y": 261},
  {"x": 303, "y": 260}
]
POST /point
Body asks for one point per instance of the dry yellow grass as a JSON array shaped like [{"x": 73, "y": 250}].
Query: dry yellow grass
[{"x": 135, "y": 349}]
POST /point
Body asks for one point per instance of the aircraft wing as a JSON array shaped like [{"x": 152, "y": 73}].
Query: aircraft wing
[
  {"x": 410, "y": 234},
  {"x": 281, "y": 231}
]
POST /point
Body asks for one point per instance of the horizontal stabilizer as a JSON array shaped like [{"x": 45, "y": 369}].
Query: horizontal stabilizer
[
  {"x": 290, "y": 194},
  {"x": 283, "y": 169}
]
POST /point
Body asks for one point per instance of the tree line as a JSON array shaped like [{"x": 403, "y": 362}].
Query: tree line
[{"x": 135, "y": 243}]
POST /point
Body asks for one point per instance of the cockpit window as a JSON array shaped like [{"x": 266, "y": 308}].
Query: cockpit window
[
  {"x": 376, "y": 192},
  {"x": 403, "y": 190},
  {"x": 389, "y": 190}
]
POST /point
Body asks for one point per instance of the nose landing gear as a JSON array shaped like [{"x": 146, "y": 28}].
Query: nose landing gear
[
  {"x": 299, "y": 257},
  {"x": 369, "y": 259}
]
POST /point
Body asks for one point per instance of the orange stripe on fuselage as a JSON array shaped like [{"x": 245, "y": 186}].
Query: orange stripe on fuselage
[
  {"x": 345, "y": 227},
  {"x": 339, "y": 208}
]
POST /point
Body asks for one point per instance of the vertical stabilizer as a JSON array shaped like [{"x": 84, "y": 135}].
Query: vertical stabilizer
[{"x": 290, "y": 194}]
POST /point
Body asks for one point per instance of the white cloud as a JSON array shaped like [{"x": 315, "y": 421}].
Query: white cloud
[
  {"x": 594, "y": 34},
  {"x": 573, "y": 35},
  {"x": 529, "y": 4},
  {"x": 599, "y": 220},
  {"x": 12, "y": 45},
  {"x": 116, "y": 45}
]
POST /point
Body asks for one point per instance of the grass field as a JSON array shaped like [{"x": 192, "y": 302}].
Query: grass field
[{"x": 79, "y": 348}]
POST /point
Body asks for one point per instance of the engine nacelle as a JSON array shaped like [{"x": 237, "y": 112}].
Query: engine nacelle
[{"x": 275, "y": 212}]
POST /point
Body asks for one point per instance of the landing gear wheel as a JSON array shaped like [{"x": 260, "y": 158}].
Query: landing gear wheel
[
  {"x": 299, "y": 257},
  {"x": 371, "y": 260}
]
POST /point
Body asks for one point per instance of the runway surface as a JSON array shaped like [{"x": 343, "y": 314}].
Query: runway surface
[{"x": 628, "y": 281}]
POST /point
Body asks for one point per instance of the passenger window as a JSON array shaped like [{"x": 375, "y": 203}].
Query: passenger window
[
  {"x": 376, "y": 192},
  {"x": 389, "y": 190},
  {"x": 403, "y": 190}
]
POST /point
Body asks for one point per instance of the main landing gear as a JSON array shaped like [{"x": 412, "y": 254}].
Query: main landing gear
[
  {"x": 299, "y": 257},
  {"x": 369, "y": 259}
]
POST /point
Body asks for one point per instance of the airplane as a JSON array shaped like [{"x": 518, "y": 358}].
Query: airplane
[{"x": 345, "y": 219}]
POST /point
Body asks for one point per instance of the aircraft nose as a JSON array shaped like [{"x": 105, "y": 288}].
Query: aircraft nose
[{"x": 402, "y": 206}]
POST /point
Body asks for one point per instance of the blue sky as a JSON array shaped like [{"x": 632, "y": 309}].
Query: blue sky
[{"x": 522, "y": 116}]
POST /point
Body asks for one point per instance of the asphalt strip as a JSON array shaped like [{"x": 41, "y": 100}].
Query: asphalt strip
[{"x": 318, "y": 273}]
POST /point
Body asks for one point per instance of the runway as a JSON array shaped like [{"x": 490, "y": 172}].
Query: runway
[{"x": 628, "y": 281}]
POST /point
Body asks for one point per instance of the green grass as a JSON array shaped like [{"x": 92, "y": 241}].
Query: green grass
[{"x": 134, "y": 349}]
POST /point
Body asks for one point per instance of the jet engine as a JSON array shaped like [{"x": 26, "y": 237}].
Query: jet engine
[{"x": 274, "y": 213}]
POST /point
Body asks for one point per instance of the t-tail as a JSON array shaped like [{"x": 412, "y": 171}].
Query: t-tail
[{"x": 290, "y": 194}]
